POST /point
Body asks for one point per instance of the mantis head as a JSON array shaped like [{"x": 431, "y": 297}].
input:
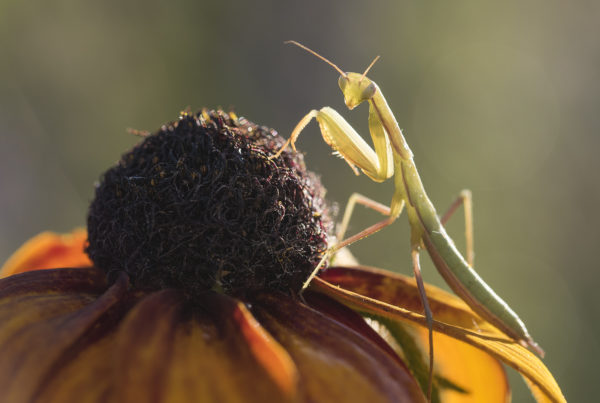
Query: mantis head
[{"x": 356, "y": 88}]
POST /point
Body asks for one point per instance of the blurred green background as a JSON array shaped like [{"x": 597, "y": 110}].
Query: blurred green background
[{"x": 501, "y": 98}]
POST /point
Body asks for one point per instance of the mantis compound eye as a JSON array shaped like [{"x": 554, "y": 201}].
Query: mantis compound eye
[
  {"x": 343, "y": 83},
  {"x": 369, "y": 91},
  {"x": 199, "y": 205}
]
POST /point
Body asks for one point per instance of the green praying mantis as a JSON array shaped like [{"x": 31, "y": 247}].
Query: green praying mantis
[{"x": 392, "y": 157}]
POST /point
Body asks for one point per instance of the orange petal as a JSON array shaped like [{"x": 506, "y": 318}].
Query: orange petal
[
  {"x": 335, "y": 363},
  {"x": 395, "y": 297},
  {"x": 48, "y": 250}
]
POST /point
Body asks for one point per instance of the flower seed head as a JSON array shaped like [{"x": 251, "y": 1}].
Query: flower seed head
[{"x": 199, "y": 205}]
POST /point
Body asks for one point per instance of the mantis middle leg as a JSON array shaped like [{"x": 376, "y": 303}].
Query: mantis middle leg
[{"x": 357, "y": 198}]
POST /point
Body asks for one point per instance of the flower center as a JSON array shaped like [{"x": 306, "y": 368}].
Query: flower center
[{"x": 199, "y": 205}]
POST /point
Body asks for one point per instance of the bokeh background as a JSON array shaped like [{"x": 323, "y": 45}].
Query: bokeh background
[{"x": 501, "y": 98}]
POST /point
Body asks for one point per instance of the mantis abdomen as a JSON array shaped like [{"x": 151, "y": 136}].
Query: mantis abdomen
[{"x": 453, "y": 267}]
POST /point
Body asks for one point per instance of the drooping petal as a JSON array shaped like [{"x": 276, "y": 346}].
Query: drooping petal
[
  {"x": 335, "y": 363},
  {"x": 48, "y": 250},
  {"x": 396, "y": 297},
  {"x": 399, "y": 290},
  {"x": 44, "y": 328},
  {"x": 211, "y": 360}
]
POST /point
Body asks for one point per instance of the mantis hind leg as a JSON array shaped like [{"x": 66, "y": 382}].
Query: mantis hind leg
[{"x": 466, "y": 199}]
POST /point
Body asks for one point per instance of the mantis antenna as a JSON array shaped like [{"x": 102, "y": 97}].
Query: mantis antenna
[
  {"x": 320, "y": 57},
  {"x": 368, "y": 68}
]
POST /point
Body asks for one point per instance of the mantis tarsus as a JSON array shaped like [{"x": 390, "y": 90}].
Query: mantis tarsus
[{"x": 392, "y": 157}]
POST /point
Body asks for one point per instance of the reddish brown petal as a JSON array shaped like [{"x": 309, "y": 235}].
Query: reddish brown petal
[
  {"x": 335, "y": 363},
  {"x": 348, "y": 317},
  {"x": 48, "y": 250},
  {"x": 41, "y": 333},
  {"x": 387, "y": 295}
]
